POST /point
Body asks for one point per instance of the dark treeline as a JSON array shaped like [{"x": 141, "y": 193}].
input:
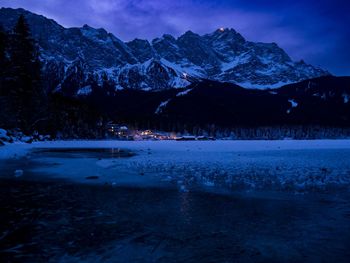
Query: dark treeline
[
  {"x": 30, "y": 101},
  {"x": 22, "y": 94},
  {"x": 26, "y": 98},
  {"x": 275, "y": 132}
]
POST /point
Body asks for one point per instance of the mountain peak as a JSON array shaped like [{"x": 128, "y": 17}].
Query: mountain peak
[
  {"x": 225, "y": 34},
  {"x": 189, "y": 34},
  {"x": 221, "y": 30},
  {"x": 223, "y": 55}
]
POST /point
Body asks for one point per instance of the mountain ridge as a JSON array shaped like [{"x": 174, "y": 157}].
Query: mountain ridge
[{"x": 163, "y": 63}]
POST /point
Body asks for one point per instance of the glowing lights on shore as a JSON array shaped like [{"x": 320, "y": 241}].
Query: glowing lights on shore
[{"x": 146, "y": 132}]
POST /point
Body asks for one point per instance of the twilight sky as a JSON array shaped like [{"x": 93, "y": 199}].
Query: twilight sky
[{"x": 316, "y": 30}]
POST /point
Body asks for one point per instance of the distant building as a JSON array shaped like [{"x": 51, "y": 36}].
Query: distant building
[
  {"x": 118, "y": 131},
  {"x": 151, "y": 135}
]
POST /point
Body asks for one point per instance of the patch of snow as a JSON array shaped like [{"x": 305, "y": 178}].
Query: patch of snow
[
  {"x": 190, "y": 69},
  {"x": 18, "y": 173},
  {"x": 183, "y": 189},
  {"x": 183, "y": 93},
  {"x": 249, "y": 85},
  {"x": 266, "y": 59},
  {"x": 235, "y": 62},
  {"x": 180, "y": 82},
  {"x": 3, "y": 135},
  {"x": 84, "y": 91},
  {"x": 294, "y": 105},
  {"x": 26, "y": 139},
  {"x": 58, "y": 88},
  {"x": 146, "y": 88},
  {"x": 89, "y": 32},
  {"x": 118, "y": 87},
  {"x": 111, "y": 73},
  {"x": 308, "y": 85},
  {"x": 293, "y": 102},
  {"x": 145, "y": 65},
  {"x": 176, "y": 78},
  {"x": 346, "y": 98},
  {"x": 162, "y": 106}
]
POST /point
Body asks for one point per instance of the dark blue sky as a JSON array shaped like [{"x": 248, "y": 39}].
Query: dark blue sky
[{"x": 317, "y": 31}]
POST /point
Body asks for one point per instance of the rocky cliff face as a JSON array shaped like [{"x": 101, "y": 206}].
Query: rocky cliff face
[{"x": 72, "y": 54}]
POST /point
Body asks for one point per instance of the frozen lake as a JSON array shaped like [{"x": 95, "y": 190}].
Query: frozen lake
[{"x": 217, "y": 201}]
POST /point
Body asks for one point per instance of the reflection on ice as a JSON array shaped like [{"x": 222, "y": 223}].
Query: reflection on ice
[
  {"x": 296, "y": 170},
  {"x": 176, "y": 203}
]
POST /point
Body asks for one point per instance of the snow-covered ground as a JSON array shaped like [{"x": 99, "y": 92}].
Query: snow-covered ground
[{"x": 280, "y": 165}]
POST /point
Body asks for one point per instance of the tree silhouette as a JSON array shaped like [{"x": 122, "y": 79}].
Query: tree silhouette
[
  {"x": 3, "y": 60},
  {"x": 26, "y": 93}
]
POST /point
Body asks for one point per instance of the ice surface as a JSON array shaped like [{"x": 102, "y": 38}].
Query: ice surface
[
  {"x": 172, "y": 201},
  {"x": 280, "y": 165}
]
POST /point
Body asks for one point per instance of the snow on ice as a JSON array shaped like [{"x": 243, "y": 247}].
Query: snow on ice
[{"x": 282, "y": 165}]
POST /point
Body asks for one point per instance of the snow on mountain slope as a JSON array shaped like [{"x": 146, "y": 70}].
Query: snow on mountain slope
[
  {"x": 183, "y": 93},
  {"x": 151, "y": 75},
  {"x": 165, "y": 62},
  {"x": 162, "y": 106}
]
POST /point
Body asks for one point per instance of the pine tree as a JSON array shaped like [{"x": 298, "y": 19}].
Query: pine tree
[
  {"x": 5, "y": 109},
  {"x": 26, "y": 92},
  {"x": 2, "y": 44},
  {"x": 107, "y": 85},
  {"x": 3, "y": 60}
]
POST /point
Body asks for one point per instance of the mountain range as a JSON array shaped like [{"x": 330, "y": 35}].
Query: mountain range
[{"x": 74, "y": 54}]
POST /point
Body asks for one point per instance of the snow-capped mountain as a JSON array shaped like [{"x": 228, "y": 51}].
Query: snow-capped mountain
[{"x": 72, "y": 54}]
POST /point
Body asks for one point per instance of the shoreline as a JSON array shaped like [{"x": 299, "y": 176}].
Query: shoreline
[{"x": 17, "y": 149}]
